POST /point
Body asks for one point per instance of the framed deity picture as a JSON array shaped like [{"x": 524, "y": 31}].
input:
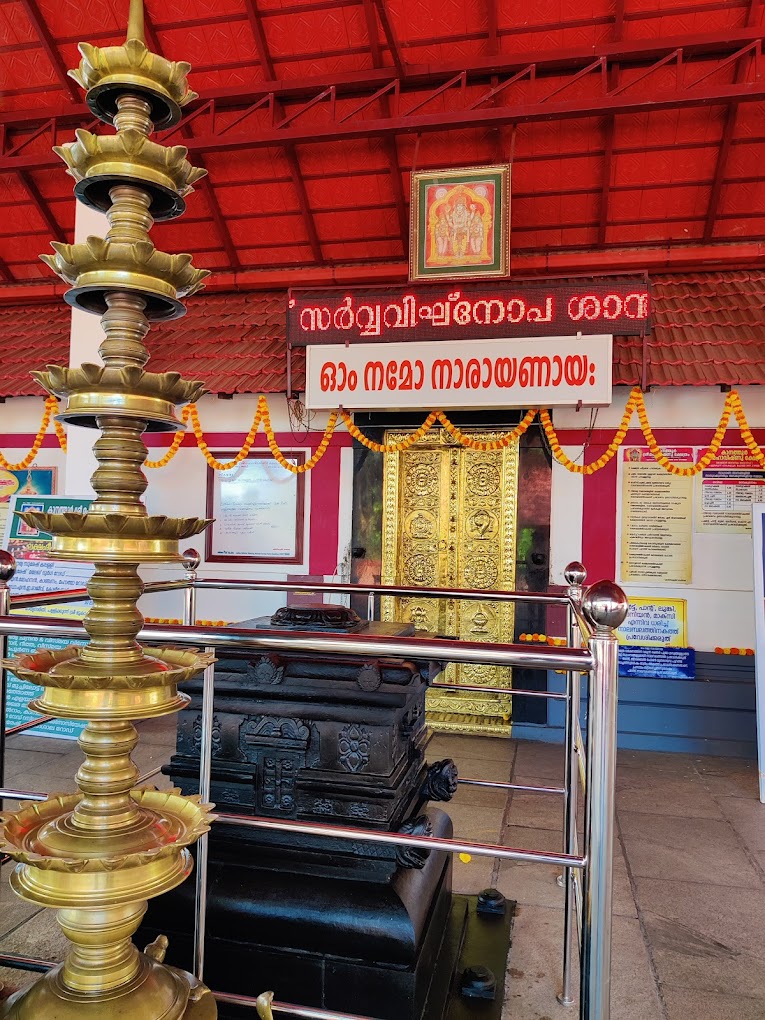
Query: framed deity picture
[
  {"x": 460, "y": 223},
  {"x": 258, "y": 508}
]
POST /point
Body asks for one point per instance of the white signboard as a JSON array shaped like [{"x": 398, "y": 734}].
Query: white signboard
[
  {"x": 553, "y": 371},
  {"x": 758, "y": 534}
]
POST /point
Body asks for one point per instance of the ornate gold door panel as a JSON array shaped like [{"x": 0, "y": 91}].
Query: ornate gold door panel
[{"x": 449, "y": 521}]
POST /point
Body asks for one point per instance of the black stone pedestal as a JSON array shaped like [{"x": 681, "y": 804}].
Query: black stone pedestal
[{"x": 357, "y": 927}]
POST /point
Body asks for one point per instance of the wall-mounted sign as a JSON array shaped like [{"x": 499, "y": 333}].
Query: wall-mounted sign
[
  {"x": 481, "y": 311},
  {"x": 656, "y": 518},
  {"x": 35, "y": 573},
  {"x": 657, "y": 663},
  {"x": 551, "y": 372},
  {"x": 658, "y": 622},
  {"x": 460, "y": 223},
  {"x": 258, "y": 511},
  {"x": 726, "y": 490},
  {"x": 34, "y": 481}
]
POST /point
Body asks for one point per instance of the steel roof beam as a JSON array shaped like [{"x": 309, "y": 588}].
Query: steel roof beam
[
  {"x": 277, "y": 111},
  {"x": 729, "y": 130},
  {"x": 390, "y": 38},
  {"x": 390, "y": 145},
  {"x": 479, "y": 70},
  {"x": 644, "y": 101},
  {"x": 47, "y": 42},
  {"x": 204, "y": 186},
  {"x": 610, "y": 129},
  {"x": 42, "y": 206}
]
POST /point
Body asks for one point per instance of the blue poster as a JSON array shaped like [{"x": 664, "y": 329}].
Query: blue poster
[
  {"x": 35, "y": 573},
  {"x": 657, "y": 663}
]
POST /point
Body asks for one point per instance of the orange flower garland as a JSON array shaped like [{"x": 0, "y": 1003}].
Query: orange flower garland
[
  {"x": 51, "y": 406},
  {"x": 494, "y": 444},
  {"x": 705, "y": 460},
  {"x": 297, "y": 469},
  {"x": 616, "y": 442},
  {"x": 635, "y": 403},
  {"x": 370, "y": 444},
  {"x": 174, "y": 446}
]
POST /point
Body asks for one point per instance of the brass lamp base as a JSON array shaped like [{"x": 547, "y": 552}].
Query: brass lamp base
[{"x": 157, "y": 993}]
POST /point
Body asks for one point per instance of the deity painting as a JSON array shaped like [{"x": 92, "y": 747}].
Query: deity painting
[{"x": 460, "y": 223}]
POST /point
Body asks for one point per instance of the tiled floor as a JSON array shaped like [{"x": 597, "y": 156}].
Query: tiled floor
[{"x": 689, "y": 873}]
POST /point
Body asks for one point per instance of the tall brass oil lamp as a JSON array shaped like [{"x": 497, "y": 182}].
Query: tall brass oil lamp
[{"x": 99, "y": 854}]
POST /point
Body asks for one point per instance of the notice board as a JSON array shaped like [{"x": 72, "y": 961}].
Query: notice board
[{"x": 35, "y": 573}]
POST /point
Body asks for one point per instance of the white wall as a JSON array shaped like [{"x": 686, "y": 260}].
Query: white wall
[
  {"x": 720, "y": 599},
  {"x": 180, "y": 488}
]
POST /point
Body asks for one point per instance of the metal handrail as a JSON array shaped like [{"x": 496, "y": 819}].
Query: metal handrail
[
  {"x": 49, "y": 598},
  {"x": 241, "y": 639},
  {"x": 590, "y": 898},
  {"x": 454, "y": 846},
  {"x": 340, "y": 588}
]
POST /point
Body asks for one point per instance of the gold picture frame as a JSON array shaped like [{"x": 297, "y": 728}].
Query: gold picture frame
[{"x": 460, "y": 223}]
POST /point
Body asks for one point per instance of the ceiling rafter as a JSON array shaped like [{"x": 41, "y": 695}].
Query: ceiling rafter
[
  {"x": 390, "y": 144},
  {"x": 42, "y": 206},
  {"x": 420, "y": 76},
  {"x": 204, "y": 185},
  {"x": 390, "y": 38},
  {"x": 46, "y": 41},
  {"x": 729, "y": 129},
  {"x": 290, "y": 152},
  {"x": 555, "y": 105},
  {"x": 610, "y": 129}
]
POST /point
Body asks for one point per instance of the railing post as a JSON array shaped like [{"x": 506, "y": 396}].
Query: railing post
[
  {"x": 370, "y": 606},
  {"x": 575, "y": 576},
  {"x": 605, "y": 607},
  {"x": 205, "y": 769},
  {"x": 191, "y": 561},
  {"x": 7, "y": 570}
]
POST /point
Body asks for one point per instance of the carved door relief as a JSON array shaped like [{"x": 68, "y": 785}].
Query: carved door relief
[{"x": 449, "y": 517}]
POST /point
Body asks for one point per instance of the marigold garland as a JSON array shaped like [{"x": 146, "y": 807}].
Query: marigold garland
[
  {"x": 297, "y": 469},
  {"x": 174, "y": 446},
  {"x": 613, "y": 446},
  {"x": 51, "y": 406},
  {"x": 400, "y": 447},
  {"x": 635, "y": 403},
  {"x": 492, "y": 444}
]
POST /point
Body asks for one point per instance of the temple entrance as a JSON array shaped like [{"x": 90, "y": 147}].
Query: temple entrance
[{"x": 449, "y": 520}]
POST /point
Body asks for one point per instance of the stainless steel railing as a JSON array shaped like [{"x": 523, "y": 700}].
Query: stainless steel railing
[{"x": 587, "y": 876}]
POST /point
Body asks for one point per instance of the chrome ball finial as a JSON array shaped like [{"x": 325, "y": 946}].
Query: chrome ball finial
[
  {"x": 7, "y": 566},
  {"x": 575, "y": 574},
  {"x": 191, "y": 559},
  {"x": 605, "y": 605}
]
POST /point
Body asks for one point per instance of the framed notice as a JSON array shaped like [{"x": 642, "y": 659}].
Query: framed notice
[
  {"x": 460, "y": 223},
  {"x": 258, "y": 509},
  {"x": 656, "y": 518}
]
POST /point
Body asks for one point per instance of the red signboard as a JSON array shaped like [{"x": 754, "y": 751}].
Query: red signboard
[{"x": 453, "y": 311}]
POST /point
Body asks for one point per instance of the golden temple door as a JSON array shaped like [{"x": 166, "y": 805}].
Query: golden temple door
[{"x": 449, "y": 516}]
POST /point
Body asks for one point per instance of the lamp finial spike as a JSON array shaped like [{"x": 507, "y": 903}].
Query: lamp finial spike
[{"x": 135, "y": 29}]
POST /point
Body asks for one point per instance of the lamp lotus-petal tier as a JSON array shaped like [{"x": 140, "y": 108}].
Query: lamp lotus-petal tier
[
  {"x": 110, "y": 71},
  {"x": 100, "y": 266},
  {"x": 95, "y": 389},
  {"x": 98, "y": 162},
  {"x": 64, "y": 669}
]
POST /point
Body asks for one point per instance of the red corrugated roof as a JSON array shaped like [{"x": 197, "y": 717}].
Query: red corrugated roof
[{"x": 708, "y": 330}]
